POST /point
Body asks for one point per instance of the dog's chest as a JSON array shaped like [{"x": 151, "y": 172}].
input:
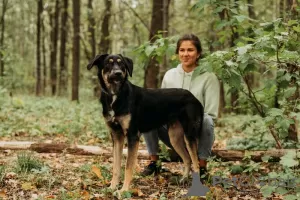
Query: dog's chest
[{"x": 114, "y": 121}]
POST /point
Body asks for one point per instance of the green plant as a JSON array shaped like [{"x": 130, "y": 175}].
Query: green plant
[
  {"x": 164, "y": 152},
  {"x": 284, "y": 182},
  {"x": 26, "y": 162}
]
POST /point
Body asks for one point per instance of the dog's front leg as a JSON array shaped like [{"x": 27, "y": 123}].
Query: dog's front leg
[
  {"x": 118, "y": 141},
  {"x": 133, "y": 145}
]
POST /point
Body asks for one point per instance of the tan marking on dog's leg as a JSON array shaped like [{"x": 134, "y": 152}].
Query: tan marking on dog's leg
[
  {"x": 117, "y": 158},
  {"x": 176, "y": 134},
  {"x": 130, "y": 163},
  {"x": 192, "y": 149},
  {"x": 124, "y": 121}
]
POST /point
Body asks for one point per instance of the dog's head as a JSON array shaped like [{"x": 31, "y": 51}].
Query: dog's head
[{"x": 113, "y": 71}]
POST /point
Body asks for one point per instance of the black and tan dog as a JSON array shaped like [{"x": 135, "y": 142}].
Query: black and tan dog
[{"x": 130, "y": 110}]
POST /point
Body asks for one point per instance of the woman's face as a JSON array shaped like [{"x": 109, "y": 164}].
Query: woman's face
[{"x": 188, "y": 54}]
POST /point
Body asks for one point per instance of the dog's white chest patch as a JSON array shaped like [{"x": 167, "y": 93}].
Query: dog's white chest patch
[
  {"x": 111, "y": 113},
  {"x": 114, "y": 98}
]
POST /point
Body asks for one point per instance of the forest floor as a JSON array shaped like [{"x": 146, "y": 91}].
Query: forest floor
[{"x": 64, "y": 176}]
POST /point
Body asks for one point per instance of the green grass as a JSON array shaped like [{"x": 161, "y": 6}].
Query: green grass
[
  {"x": 26, "y": 162},
  {"x": 41, "y": 116}
]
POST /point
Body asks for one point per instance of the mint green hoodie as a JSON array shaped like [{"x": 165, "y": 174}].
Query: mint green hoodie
[{"x": 205, "y": 87}]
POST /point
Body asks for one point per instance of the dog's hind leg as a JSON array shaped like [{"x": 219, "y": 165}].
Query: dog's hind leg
[
  {"x": 192, "y": 149},
  {"x": 118, "y": 141},
  {"x": 133, "y": 145},
  {"x": 176, "y": 135}
]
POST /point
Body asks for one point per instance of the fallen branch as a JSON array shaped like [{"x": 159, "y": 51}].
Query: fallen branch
[{"x": 226, "y": 155}]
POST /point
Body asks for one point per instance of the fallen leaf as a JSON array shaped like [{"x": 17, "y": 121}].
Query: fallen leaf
[
  {"x": 137, "y": 192},
  {"x": 50, "y": 197},
  {"x": 97, "y": 171},
  {"x": 27, "y": 186},
  {"x": 85, "y": 194},
  {"x": 3, "y": 194}
]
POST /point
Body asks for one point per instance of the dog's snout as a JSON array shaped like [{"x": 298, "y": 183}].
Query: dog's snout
[{"x": 118, "y": 73}]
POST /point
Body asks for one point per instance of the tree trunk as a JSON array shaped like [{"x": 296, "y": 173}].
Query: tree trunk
[
  {"x": 152, "y": 70},
  {"x": 4, "y": 9},
  {"x": 281, "y": 9},
  {"x": 76, "y": 50},
  {"x": 291, "y": 7},
  {"x": 234, "y": 94},
  {"x": 249, "y": 77},
  {"x": 213, "y": 38},
  {"x": 44, "y": 58},
  {"x": 38, "y": 87},
  {"x": 91, "y": 29},
  {"x": 222, "y": 103},
  {"x": 105, "y": 44},
  {"x": 92, "y": 44},
  {"x": 163, "y": 67},
  {"x": 54, "y": 37},
  {"x": 63, "y": 76}
]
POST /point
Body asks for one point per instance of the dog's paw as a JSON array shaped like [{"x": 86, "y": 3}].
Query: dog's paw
[{"x": 120, "y": 193}]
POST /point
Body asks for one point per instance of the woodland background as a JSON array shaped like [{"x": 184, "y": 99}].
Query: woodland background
[{"x": 47, "y": 94}]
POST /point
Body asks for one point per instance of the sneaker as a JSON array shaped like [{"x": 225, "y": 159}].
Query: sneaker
[
  {"x": 203, "y": 175},
  {"x": 153, "y": 167}
]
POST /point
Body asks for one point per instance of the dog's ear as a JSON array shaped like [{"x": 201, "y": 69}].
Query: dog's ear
[
  {"x": 128, "y": 64},
  {"x": 98, "y": 60}
]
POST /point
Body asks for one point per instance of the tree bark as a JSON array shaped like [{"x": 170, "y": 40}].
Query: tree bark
[
  {"x": 44, "y": 55},
  {"x": 76, "y": 50},
  {"x": 53, "y": 49},
  {"x": 225, "y": 155},
  {"x": 163, "y": 67},
  {"x": 152, "y": 70},
  {"x": 291, "y": 7},
  {"x": 4, "y": 9},
  {"x": 38, "y": 87},
  {"x": 91, "y": 29},
  {"x": 63, "y": 75},
  {"x": 249, "y": 77},
  {"x": 213, "y": 36},
  {"x": 234, "y": 94},
  {"x": 222, "y": 103},
  {"x": 105, "y": 44},
  {"x": 281, "y": 9}
]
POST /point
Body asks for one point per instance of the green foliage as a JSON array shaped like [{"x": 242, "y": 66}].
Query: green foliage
[
  {"x": 26, "y": 162},
  {"x": 274, "y": 49},
  {"x": 164, "y": 153},
  {"x": 159, "y": 48},
  {"x": 35, "y": 116},
  {"x": 290, "y": 159}
]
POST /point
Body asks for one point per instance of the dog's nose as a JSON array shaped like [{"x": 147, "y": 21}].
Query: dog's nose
[{"x": 118, "y": 73}]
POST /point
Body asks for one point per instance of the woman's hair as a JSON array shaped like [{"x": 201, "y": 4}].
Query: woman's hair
[{"x": 194, "y": 39}]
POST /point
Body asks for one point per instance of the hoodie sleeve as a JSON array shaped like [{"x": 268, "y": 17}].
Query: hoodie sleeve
[
  {"x": 212, "y": 96},
  {"x": 163, "y": 83}
]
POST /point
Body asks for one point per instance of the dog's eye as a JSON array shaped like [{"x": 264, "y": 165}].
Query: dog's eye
[
  {"x": 118, "y": 60},
  {"x": 111, "y": 60}
]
